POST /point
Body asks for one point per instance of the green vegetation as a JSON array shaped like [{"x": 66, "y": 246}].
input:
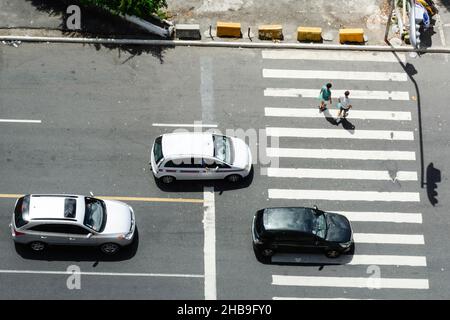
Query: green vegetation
[{"x": 140, "y": 8}]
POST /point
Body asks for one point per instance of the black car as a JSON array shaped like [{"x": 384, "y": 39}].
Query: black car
[{"x": 297, "y": 228}]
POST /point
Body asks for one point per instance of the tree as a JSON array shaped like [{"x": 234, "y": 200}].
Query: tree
[{"x": 140, "y": 8}]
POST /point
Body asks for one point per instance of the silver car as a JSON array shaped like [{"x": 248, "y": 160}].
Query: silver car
[{"x": 42, "y": 220}]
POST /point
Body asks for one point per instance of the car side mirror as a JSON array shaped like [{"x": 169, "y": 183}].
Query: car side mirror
[{"x": 89, "y": 235}]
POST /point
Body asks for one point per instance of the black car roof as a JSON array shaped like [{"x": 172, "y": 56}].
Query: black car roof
[{"x": 289, "y": 219}]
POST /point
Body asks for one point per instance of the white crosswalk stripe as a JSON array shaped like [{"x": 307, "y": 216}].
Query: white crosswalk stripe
[
  {"x": 353, "y": 114},
  {"x": 303, "y": 298},
  {"x": 356, "y": 259},
  {"x": 341, "y": 154},
  {"x": 388, "y": 238},
  {"x": 341, "y": 174},
  {"x": 350, "y": 282},
  {"x": 339, "y": 75},
  {"x": 340, "y": 134},
  {"x": 333, "y": 55},
  {"x": 395, "y": 217},
  {"x": 343, "y": 195},
  {"x": 356, "y": 94}
]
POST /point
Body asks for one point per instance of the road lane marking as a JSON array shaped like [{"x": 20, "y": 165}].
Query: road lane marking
[
  {"x": 209, "y": 249},
  {"x": 333, "y": 55},
  {"x": 395, "y": 217},
  {"x": 385, "y": 260},
  {"x": 295, "y": 298},
  {"x": 340, "y": 75},
  {"x": 353, "y": 114},
  {"x": 20, "y": 121},
  {"x": 180, "y": 125},
  {"x": 355, "y": 94},
  {"x": 116, "y": 274},
  {"x": 119, "y": 198},
  {"x": 343, "y": 195},
  {"x": 388, "y": 238},
  {"x": 340, "y": 134},
  {"x": 351, "y": 282},
  {"x": 303, "y": 173},
  {"x": 341, "y": 154}
]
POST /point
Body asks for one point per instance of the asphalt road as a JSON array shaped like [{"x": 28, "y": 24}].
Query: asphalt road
[{"x": 100, "y": 110}]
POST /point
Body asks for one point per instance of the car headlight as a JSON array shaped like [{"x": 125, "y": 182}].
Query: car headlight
[{"x": 345, "y": 244}]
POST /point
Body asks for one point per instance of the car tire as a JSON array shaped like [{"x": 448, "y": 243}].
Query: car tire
[
  {"x": 37, "y": 246},
  {"x": 267, "y": 253},
  {"x": 167, "y": 179},
  {"x": 109, "y": 248},
  {"x": 234, "y": 178},
  {"x": 332, "y": 253}
]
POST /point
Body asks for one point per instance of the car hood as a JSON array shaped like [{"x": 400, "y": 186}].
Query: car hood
[
  {"x": 339, "y": 228},
  {"x": 118, "y": 217},
  {"x": 242, "y": 156}
]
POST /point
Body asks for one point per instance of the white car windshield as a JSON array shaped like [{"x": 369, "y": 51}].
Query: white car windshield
[
  {"x": 222, "y": 148},
  {"x": 95, "y": 214}
]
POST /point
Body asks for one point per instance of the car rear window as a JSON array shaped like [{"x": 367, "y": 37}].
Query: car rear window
[
  {"x": 157, "y": 150},
  {"x": 21, "y": 211}
]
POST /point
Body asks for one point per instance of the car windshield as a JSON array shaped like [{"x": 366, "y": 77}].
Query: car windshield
[
  {"x": 157, "y": 150},
  {"x": 222, "y": 148},
  {"x": 95, "y": 214},
  {"x": 320, "y": 225}
]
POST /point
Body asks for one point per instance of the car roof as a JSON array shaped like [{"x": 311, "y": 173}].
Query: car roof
[
  {"x": 56, "y": 207},
  {"x": 188, "y": 144},
  {"x": 289, "y": 219}
]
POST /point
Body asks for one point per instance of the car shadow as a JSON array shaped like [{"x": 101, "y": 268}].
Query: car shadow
[
  {"x": 311, "y": 258},
  {"x": 78, "y": 253},
  {"x": 199, "y": 185}
]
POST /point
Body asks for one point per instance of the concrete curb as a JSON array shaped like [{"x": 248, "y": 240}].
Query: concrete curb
[{"x": 249, "y": 45}]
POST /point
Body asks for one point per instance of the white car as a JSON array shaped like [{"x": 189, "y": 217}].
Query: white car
[
  {"x": 198, "y": 156},
  {"x": 40, "y": 220}
]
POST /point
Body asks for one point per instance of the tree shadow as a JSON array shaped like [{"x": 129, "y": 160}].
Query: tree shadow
[
  {"x": 433, "y": 177},
  {"x": 98, "y": 23},
  {"x": 78, "y": 253},
  {"x": 199, "y": 185}
]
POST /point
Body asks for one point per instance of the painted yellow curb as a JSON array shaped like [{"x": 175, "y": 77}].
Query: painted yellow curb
[{"x": 228, "y": 29}]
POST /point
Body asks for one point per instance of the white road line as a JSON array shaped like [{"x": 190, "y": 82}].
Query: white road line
[
  {"x": 343, "y": 195},
  {"x": 180, "y": 125},
  {"x": 385, "y": 260},
  {"x": 388, "y": 238},
  {"x": 353, "y": 114},
  {"x": 351, "y": 282},
  {"x": 20, "y": 121},
  {"x": 395, "y": 217},
  {"x": 328, "y": 74},
  {"x": 113, "y": 274},
  {"x": 341, "y": 174},
  {"x": 209, "y": 225},
  {"x": 341, "y": 154},
  {"x": 295, "y": 298},
  {"x": 333, "y": 55},
  {"x": 340, "y": 134},
  {"x": 355, "y": 94}
]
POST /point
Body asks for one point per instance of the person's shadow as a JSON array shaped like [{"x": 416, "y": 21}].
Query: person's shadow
[{"x": 347, "y": 125}]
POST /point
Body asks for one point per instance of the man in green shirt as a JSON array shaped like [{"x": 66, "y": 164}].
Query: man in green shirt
[{"x": 325, "y": 96}]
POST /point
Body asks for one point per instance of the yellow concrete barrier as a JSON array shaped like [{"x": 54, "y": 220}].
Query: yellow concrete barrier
[
  {"x": 309, "y": 34},
  {"x": 228, "y": 29},
  {"x": 270, "y": 32},
  {"x": 351, "y": 35}
]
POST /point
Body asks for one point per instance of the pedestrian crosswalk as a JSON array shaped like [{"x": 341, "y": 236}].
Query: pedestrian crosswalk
[{"x": 365, "y": 159}]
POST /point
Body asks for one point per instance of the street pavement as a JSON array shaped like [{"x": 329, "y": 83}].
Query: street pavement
[{"x": 101, "y": 108}]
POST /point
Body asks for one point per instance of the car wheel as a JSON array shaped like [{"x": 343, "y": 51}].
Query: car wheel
[
  {"x": 267, "y": 252},
  {"x": 331, "y": 253},
  {"x": 37, "y": 246},
  {"x": 234, "y": 178},
  {"x": 167, "y": 179},
  {"x": 109, "y": 248}
]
